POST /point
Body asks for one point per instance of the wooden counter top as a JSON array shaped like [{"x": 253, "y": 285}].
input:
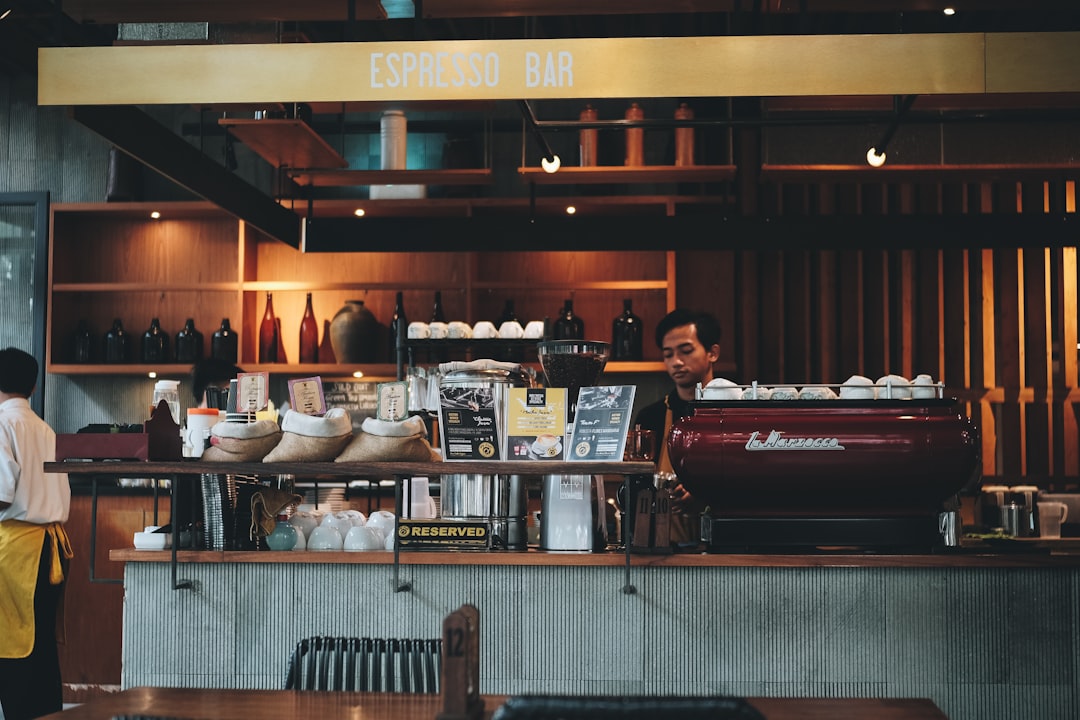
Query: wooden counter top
[
  {"x": 346, "y": 470},
  {"x": 963, "y": 558},
  {"x": 199, "y": 704}
]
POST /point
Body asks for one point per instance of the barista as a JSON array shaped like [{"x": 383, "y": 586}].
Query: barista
[
  {"x": 212, "y": 374},
  {"x": 690, "y": 343}
]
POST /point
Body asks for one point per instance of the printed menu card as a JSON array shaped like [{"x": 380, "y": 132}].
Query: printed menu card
[
  {"x": 535, "y": 424},
  {"x": 601, "y": 421},
  {"x": 467, "y": 423}
]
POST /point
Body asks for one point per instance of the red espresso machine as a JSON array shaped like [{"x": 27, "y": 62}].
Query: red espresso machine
[{"x": 873, "y": 474}]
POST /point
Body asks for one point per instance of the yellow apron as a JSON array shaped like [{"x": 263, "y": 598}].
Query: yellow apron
[{"x": 20, "y": 556}]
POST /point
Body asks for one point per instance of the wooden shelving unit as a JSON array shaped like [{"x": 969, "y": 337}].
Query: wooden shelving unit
[
  {"x": 197, "y": 261},
  {"x": 285, "y": 143},
  {"x": 353, "y": 178},
  {"x": 621, "y": 175}
]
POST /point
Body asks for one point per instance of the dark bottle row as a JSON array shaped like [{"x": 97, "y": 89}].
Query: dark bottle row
[
  {"x": 348, "y": 338},
  {"x": 118, "y": 346}
]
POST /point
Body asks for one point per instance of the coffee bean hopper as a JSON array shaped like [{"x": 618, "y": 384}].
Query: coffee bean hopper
[{"x": 569, "y": 518}]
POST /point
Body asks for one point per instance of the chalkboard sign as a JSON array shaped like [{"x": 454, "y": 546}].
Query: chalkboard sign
[{"x": 359, "y": 397}]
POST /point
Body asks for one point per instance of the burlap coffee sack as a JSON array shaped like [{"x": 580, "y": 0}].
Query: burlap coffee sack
[
  {"x": 308, "y": 438},
  {"x": 242, "y": 442},
  {"x": 366, "y": 447}
]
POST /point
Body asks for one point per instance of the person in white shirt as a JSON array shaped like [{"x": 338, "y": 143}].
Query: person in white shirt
[{"x": 34, "y": 549}]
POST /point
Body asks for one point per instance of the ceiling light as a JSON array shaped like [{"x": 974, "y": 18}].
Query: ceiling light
[
  {"x": 358, "y": 374},
  {"x": 874, "y": 158},
  {"x": 949, "y": 11},
  {"x": 358, "y": 212},
  {"x": 5, "y": 13},
  {"x": 551, "y": 165},
  {"x": 155, "y": 215},
  {"x": 570, "y": 209}
]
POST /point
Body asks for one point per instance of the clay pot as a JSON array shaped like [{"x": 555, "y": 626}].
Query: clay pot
[{"x": 354, "y": 333}]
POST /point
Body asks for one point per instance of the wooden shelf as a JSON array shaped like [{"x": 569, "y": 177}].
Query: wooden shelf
[
  {"x": 353, "y": 178},
  {"x": 285, "y": 143},
  {"x": 377, "y": 370},
  {"x": 919, "y": 173},
  {"x": 621, "y": 175},
  {"x": 145, "y": 287}
]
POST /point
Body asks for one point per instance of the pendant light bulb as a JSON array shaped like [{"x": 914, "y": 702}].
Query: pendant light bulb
[
  {"x": 874, "y": 158},
  {"x": 552, "y": 164}
]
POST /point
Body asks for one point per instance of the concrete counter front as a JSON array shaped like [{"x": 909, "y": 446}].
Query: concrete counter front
[{"x": 985, "y": 636}]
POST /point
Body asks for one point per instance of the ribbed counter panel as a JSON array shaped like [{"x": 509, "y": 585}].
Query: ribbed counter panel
[{"x": 983, "y": 643}]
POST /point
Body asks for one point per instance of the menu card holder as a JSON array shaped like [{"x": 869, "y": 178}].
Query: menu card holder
[
  {"x": 652, "y": 522},
  {"x": 461, "y": 665}
]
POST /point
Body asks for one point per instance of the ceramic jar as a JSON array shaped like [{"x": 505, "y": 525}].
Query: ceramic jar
[{"x": 354, "y": 333}]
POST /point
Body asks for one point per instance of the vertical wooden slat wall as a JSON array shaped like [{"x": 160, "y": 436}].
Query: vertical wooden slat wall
[{"x": 998, "y": 325}]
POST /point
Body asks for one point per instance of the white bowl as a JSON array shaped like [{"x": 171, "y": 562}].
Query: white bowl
[
  {"x": 362, "y": 538},
  {"x": 150, "y": 540},
  {"x": 325, "y": 538},
  {"x": 382, "y": 520}
]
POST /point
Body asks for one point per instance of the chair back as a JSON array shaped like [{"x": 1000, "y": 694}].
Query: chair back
[{"x": 365, "y": 664}]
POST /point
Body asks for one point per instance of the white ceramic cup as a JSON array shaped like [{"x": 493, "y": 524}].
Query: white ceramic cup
[
  {"x": 458, "y": 330},
  {"x": 439, "y": 330},
  {"x": 534, "y": 330},
  {"x": 511, "y": 330},
  {"x": 419, "y": 331},
  {"x": 484, "y": 330},
  {"x": 1051, "y": 515}
]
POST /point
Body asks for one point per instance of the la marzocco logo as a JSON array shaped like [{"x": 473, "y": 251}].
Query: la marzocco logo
[{"x": 777, "y": 441}]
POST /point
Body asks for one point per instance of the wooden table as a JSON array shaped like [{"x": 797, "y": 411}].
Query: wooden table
[{"x": 196, "y": 704}]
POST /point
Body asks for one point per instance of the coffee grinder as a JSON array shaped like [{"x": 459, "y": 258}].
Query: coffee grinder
[{"x": 568, "y": 520}]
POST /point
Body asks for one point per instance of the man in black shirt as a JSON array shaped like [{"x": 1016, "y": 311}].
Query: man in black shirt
[{"x": 690, "y": 342}]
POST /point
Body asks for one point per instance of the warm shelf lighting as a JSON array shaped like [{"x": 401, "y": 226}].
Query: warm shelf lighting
[
  {"x": 358, "y": 374},
  {"x": 874, "y": 158},
  {"x": 358, "y": 212},
  {"x": 151, "y": 374},
  {"x": 551, "y": 165},
  {"x": 570, "y": 209},
  {"x": 155, "y": 215}
]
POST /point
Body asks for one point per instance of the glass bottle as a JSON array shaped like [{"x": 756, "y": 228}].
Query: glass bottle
[
  {"x": 309, "y": 335},
  {"x": 398, "y": 323},
  {"x": 326, "y": 349},
  {"x": 283, "y": 536},
  {"x": 588, "y": 137},
  {"x": 80, "y": 343},
  {"x": 508, "y": 314},
  {"x": 437, "y": 314},
  {"x": 223, "y": 343},
  {"x": 635, "y": 137},
  {"x": 684, "y": 137},
  {"x": 268, "y": 333},
  {"x": 155, "y": 344},
  {"x": 280, "y": 342},
  {"x": 189, "y": 343},
  {"x": 117, "y": 343},
  {"x": 626, "y": 334},
  {"x": 568, "y": 326}
]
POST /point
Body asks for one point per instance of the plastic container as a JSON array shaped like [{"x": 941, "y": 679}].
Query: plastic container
[{"x": 169, "y": 391}]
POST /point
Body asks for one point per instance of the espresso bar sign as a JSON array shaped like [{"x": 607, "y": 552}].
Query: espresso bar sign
[{"x": 556, "y": 68}]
